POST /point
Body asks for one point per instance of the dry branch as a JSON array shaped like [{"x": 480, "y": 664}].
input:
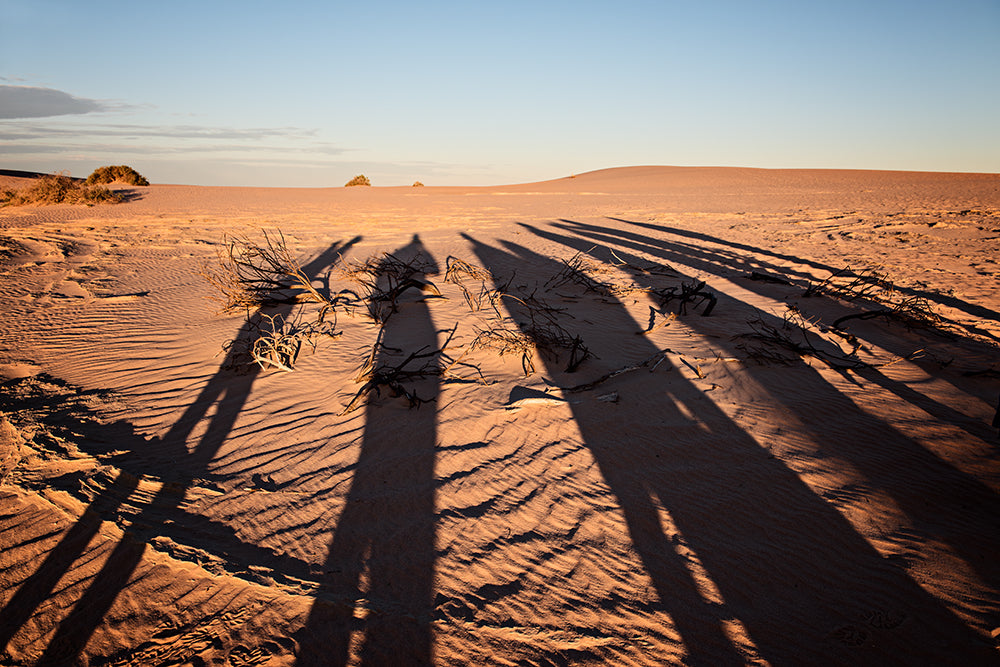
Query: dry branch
[
  {"x": 653, "y": 326},
  {"x": 392, "y": 376},
  {"x": 693, "y": 293},
  {"x": 383, "y": 279},
  {"x": 252, "y": 274},
  {"x": 911, "y": 312},
  {"x": 652, "y": 268},
  {"x": 849, "y": 285},
  {"x": 657, "y": 358},
  {"x": 504, "y": 341},
  {"x": 790, "y": 339},
  {"x": 380, "y": 375},
  {"x": 458, "y": 270},
  {"x": 276, "y": 342}
]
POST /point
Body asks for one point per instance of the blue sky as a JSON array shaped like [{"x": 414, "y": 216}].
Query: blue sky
[{"x": 475, "y": 93}]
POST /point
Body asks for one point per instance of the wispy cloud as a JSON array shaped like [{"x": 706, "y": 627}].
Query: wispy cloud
[
  {"x": 25, "y": 137},
  {"x": 32, "y": 131},
  {"x": 202, "y": 153},
  {"x": 33, "y": 102}
]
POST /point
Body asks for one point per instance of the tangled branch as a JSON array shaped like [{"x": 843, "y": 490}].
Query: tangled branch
[
  {"x": 252, "y": 275},
  {"x": 383, "y": 279}
]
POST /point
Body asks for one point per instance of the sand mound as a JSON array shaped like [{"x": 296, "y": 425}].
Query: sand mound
[{"x": 665, "y": 415}]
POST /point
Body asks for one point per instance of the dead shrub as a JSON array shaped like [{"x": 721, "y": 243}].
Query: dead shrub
[
  {"x": 117, "y": 174},
  {"x": 360, "y": 179},
  {"x": 252, "y": 275},
  {"x": 58, "y": 189}
]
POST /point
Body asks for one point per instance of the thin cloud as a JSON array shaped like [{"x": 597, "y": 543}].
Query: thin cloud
[
  {"x": 168, "y": 131},
  {"x": 192, "y": 136},
  {"x": 32, "y": 102},
  {"x": 151, "y": 150},
  {"x": 25, "y": 137}
]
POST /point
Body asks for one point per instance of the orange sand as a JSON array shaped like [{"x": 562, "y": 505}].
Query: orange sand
[{"x": 727, "y": 502}]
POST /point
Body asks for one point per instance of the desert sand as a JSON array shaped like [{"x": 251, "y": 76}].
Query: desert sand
[{"x": 753, "y": 423}]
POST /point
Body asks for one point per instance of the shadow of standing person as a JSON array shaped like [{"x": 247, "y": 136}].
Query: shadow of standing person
[
  {"x": 789, "y": 567},
  {"x": 379, "y": 572},
  {"x": 964, "y": 511},
  {"x": 227, "y": 392}
]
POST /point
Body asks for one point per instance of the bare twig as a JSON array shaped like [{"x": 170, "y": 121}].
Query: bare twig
[
  {"x": 458, "y": 270},
  {"x": 849, "y": 285},
  {"x": 276, "y": 342},
  {"x": 392, "y": 376},
  {"x": 655, "y": 269},
  {"x": 653, "y": 326},
  {"x": 657, "y": 358},
  {"x": 252, "y": 274},
  {"x": 506, "y": 340},
  {"x": 383, "y": 279},
  {"x": 773, "y": 342},
  {"x": 693, "y": 292},
  {"x": 575, "y": 270}
]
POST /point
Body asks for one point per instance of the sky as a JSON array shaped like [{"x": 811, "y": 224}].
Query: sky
[{"x": 476, "y": 93}]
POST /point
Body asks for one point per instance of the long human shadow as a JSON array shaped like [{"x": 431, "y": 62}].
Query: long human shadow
[
  {"x": 973, "y": 309},
  {"x": 789, "y": 566},
  {"x": 964, "y": 510},
  {"x": 379, "y": 572},
  {"x": 227, "y": 392},
  {"x": 710, "y": 260}
]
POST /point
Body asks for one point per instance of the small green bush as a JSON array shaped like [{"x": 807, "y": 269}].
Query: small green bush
[
  {"x": 58, "y": 189},
  {"x": 116, "y": 174},
  {"x": 360, "y": 179}
]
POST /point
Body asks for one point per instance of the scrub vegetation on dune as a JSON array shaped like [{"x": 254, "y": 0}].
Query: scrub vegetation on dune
[
  {"x": 254, "y": 275},
  {"x": 61, "y": 188},
  {"x": 360, "y": 179},
  {"x": 58, "y": 189},
  {"x": 116, "y": 174}
]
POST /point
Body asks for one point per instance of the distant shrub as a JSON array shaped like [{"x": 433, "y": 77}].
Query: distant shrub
[
  {"x": 360, "y": 179},
  {"x": 116, "y": 174},
  {"x": 58, "y": 189},
  {"x": 418, "y": 184}
]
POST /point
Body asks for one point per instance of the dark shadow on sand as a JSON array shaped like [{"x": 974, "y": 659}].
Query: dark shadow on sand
[
  {"x": 227, "y": 392},
  {"x": 973, "y": 309},
  {"x": 789, "y": 566},
  {"x": 379, "y": 574},
  {"x": 943, "y": 502}
]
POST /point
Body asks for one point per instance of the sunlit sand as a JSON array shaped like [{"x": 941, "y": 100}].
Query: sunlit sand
[{"x": 752, "y": 420}]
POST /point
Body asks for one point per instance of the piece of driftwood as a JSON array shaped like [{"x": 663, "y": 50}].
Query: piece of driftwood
[
  {"x": 696, "y": 369},
  {"x": 651, "y": 362}
]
